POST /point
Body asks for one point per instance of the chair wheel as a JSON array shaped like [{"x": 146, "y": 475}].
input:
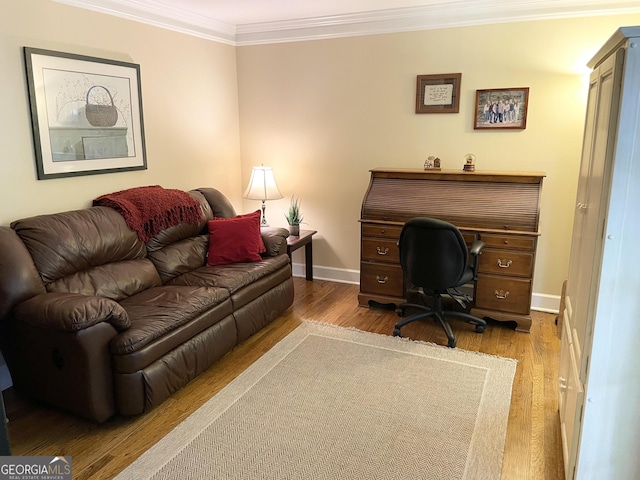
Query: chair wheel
[
  {"x": 452, "y": 343},
  {"x": 480, "y": 328},
  {"x": 400, "y": 312},
  {"x": 396, "y": 332}
]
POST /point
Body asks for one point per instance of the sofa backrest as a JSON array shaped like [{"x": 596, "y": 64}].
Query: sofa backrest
[
  {"x": 181, "y": 248},
  {"x": 89, "y": 251},
  {"x": 93, "y": 252}
]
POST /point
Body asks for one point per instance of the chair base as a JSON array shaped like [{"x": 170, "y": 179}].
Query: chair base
[{"x": 440, "y": 315}]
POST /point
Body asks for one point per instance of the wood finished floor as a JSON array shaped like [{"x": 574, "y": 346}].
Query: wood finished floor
[{"x": 533, "y": 445}]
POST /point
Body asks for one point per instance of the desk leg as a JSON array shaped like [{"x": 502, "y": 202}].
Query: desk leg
[{"x": 308, "y": 260}]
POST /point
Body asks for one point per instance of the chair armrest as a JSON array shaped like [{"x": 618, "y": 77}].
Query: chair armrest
[
  {"x": 476, "y": 248},
  {"x": 475, "y": 251},
  {"x": 71, "y": 312},
  {"x": 275, "y": 240}
]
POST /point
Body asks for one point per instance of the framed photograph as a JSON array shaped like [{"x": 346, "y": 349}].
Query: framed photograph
[
  {"x": 501, "y": 108},
  {"x": 438, "y": 93},
  {"x": 86, "y": 114}
]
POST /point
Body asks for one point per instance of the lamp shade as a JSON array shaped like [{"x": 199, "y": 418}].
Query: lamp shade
[{"x": 262, "y": 185}]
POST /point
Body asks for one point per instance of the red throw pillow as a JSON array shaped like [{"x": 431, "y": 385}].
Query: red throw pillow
[{"x": 235, "y": 239}]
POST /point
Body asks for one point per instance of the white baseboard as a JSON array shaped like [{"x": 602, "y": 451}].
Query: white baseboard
[
  {"x": 340, "y": 275},
  {"x": 545, "y": 303},
  {"x": 539, "y": 301}
]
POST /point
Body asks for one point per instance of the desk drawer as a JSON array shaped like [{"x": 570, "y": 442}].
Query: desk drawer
[
  {"x": 381, "y": 279},
  {"x": 506, "y": 262},
  {"x": 381, "y": 230},
  {"x": 380, "y": 250},
  {"x": 503, "y": 294},
  {"x": 516, "y": 242}
]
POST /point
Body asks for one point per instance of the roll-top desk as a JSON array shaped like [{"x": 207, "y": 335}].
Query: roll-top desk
[{"x": 500, "y": 208}]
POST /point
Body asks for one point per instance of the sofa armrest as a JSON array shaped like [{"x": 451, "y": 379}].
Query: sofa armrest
[
  {"x": 275, "y": 240},
  {"x": 71, "y": 312}
]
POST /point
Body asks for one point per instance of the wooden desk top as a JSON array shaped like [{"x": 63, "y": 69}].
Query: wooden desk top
[{"x": 475, "y": 176}]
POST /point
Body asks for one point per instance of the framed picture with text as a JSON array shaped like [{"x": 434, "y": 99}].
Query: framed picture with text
[
  {"x": 501, "y": 108},
  {"x": 86, "y": 114},
  {"x": 438, "y": 93}
]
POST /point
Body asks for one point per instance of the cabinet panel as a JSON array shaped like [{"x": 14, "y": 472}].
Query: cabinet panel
[
  {"x": 518, "y": 242},
  {"x": 599, "y": 390},
  {"x": 380, "y": 279},
  {"x": 503, "y": 294},
  {"x": 380, "y": 250},
  {"x": 570, "y": 399},
  {"x": 506, "y": 262},
  {"x": 381, "y": 230}
]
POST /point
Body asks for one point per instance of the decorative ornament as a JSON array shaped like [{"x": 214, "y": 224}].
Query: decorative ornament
[
  {"x": 432, "y": 163},
  {"x": 469, "y": 163}
]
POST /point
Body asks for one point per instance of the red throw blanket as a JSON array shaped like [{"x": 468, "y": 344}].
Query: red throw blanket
[{"x": 149, "y": 210}]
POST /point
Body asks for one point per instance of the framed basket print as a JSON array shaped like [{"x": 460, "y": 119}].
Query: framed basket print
[
  {"x": 86, "y": 114},
  {"x": 501, "y": 108},
  {"x": 438, "y": 93}
]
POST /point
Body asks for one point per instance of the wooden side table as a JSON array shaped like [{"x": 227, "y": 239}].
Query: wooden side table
[{"x": 303, "y": 240}]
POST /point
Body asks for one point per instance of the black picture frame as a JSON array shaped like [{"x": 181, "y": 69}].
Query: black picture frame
[{"x": 86, "y": 114}]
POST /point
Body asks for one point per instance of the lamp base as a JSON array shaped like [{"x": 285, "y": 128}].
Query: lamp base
[{"x": 263, "y": 222}]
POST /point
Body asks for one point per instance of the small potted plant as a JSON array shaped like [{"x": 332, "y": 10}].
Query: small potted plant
[{"x": 293, "y": 216}]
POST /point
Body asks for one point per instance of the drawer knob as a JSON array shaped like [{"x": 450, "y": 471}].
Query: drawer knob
[
  {"x": 506, "y": 242},
  {"x": 501, "y": 294},
  {"x": 504, "y": 265},
  {"x": 382, "y": 251},
  {"x": 382, "y": 279}
]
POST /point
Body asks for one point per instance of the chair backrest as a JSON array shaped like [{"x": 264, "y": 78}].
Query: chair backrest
[{"x": 433, "y": 253}]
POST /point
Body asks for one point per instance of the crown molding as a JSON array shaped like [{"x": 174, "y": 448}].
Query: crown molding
[
  {"x": 459, "y": 13},
  {"x": 161, "y": 15}
]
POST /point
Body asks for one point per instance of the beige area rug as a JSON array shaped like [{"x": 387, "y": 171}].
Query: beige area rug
[{"x": 331, "y": 403}]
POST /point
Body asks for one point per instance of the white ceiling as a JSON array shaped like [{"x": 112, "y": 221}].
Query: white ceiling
[{"x": 244, "y": 22}]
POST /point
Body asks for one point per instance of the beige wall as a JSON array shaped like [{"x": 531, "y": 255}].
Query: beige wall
[
  {"x": 190, "y": 105},
  {"x": 322, "y": 113}
]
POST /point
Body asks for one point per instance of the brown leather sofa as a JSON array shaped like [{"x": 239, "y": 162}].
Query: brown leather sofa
[{"x": 96, "y": 322}]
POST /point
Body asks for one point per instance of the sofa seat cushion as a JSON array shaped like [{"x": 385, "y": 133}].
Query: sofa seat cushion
[
  {"x": 168, "y": 315},
  {"x": 259, "y": 276}
]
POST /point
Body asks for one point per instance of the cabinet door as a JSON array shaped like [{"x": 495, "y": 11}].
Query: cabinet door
[
  {"x": 570, "y": 401},
  {"x": 591, "y": 205},
  {"x": 586, "y": 249}
]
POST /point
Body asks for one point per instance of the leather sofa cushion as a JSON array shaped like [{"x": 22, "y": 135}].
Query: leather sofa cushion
[
  {"x": 116, "y": 280},
  {"x": 244, "y": 281},
  {"x": 233, "y": 277},
  {"x": 182, "y": 231},
  {"x": 180, "y": 257},
  {"x": 65, "y": 243},
  {"x": 158, "y": 311},
  {"x": 220, "y": 205}
]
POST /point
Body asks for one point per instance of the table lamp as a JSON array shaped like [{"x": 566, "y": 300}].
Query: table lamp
[{"x": 262, "y": 186}]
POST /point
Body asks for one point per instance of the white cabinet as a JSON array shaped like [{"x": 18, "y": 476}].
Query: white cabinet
[{"x": 599, "y": 371}]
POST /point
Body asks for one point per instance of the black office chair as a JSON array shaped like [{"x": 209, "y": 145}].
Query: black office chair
[{"x": 435, "y": 260}]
